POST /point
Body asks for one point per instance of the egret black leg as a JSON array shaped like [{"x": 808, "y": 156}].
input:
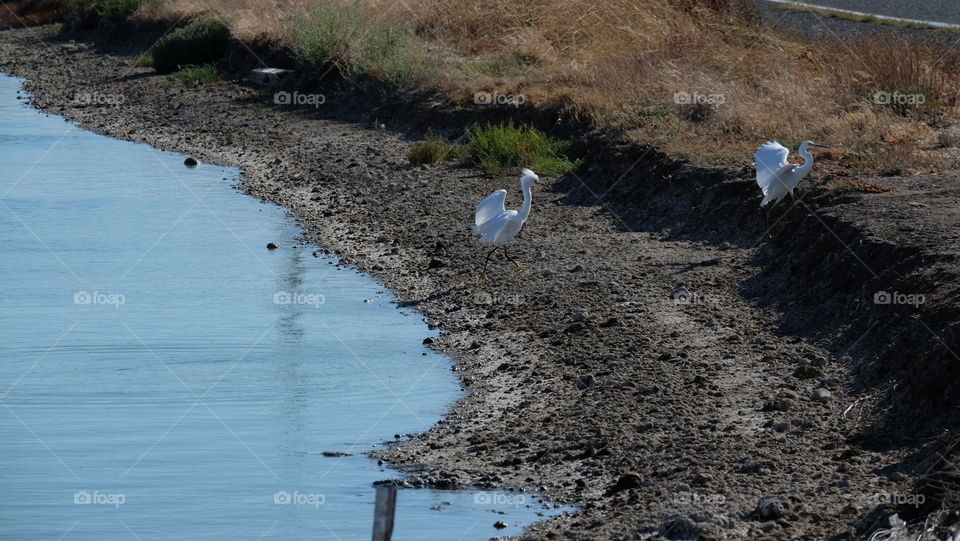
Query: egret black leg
[
  {"x": 519, "y": 266},
  {"x": 483, "y": 272}
]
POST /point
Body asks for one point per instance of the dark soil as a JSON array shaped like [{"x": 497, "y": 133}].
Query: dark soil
[{"x": 772, "y": 404}]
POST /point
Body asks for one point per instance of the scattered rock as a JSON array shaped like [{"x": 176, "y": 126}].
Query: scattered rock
[
  {"x": 427, "y": 341},
  {"x": 500, "y": 525},
  {"x": 806, "y": 371},
  {"x": 822, "y": 395},
  {"x": 771, "y": 508},
  {"x": 272, "y": 246},
  {"x": 680, "y": 293},
  {"x": 778, "y": 404},
  {"x": 626, "y": 481},
  {"x": 436, "y": 264},
  {"x": 335, "y": 453},
  {"x": 580, "y": 314},
  {"x": 575, "y": 328},
  {"x": 612, "y": 322},
  {"x": 679, "y": 527},
  {"x": 190, "y": 162},
  {"x": 584, "y": 381}
]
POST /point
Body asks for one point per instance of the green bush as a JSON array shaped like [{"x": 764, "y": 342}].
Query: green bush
[
  {"x": 143, "y": 61},
  {"x": 117, "y": 10},
  {"x": 435, "y": 149},
  {"x": 503, "y": 147},
  {"x": 202, "y": 41},
  {"x": 207, "y": 73},
  {"x": 89, "y": 13},
  {"x": 357, "y": 45}
]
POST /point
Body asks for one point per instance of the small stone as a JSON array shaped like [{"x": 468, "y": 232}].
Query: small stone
[
  {"x": 822, "y": 395},
  {"x": 771, "y": 507},
  {"x": 806, "y": 371},
  {"x": 584, "y": 381},
  {"x": 580, "y": 314},
  {"x": 428, "y": 341},
  {"x": 190, "y": 162},
  {"x": 679, "y": 527},
  {"x": 626, "y": 481},
  {"x": 272, "y": 246},
  {"x": 680, "y": 293},
  {"x": 436, "y": 264},
  {"x": 500, "y": 525},
  {"x": 575, "y": 328},
  {"x": 612, "y": 322},
  {"x": 778, "y": 404}
]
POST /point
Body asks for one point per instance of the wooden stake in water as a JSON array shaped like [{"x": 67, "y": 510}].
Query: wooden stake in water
[{"x": 383, "y": 512}]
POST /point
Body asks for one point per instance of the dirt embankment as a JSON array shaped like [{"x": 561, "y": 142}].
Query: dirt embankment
[{"x": 775, "y": 403}]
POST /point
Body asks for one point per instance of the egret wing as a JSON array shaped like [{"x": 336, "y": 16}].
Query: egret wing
[
  {"x": 771, "y": 162},
  {"x": 499, "y": 229},
  {"x": 492, "y": 206}
]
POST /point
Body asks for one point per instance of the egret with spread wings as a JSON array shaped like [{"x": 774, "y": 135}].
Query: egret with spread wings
[
  {"x": 775, "y": 175},
  {"x": 496, "y": 225}
]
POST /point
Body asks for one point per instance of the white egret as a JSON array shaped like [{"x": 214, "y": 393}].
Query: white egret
[
  {"x": 496, "y": 225},
  {"x": 775, "y": 175}
]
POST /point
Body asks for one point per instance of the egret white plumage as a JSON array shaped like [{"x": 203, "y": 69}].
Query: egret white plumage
[
  {"x": 775, "y": 175},
  {"x": 496, "y": 225}
]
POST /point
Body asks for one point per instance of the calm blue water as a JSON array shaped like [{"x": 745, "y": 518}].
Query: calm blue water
[{"x": 164, "y": 376}]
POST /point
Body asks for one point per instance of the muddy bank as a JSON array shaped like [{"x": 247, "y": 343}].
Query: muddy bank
[{"x": 773, "y": 404}]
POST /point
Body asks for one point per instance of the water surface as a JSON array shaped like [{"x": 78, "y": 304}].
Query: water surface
[{"x": 165, "y": 376}]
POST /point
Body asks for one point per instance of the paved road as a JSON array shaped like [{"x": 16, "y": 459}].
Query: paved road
[
  {"x": 945, "y": 11},
  {"x": 815, "y": 26}
]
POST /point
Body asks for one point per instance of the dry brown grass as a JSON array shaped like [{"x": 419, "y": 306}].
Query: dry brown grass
[{"x": 622, "y": 63}]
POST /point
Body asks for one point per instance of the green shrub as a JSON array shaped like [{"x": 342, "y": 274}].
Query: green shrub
[
  {"x": 204, "y": 74},
  {"x": 202, "y": 41},
  {"x": 89, "y": 13},
  {"x": 117, "y": 10},
  {"x": 357, "y": 45},
  {"x": 503, "y": 147},
  {"x": 435, "y": 149},
  {"x": 143, "y": 61}
]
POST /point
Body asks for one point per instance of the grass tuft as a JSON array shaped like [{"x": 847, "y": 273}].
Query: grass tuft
[
  {"x": 359, "y": 45},
  {"x": 499, "y": 148},
  {"x": 202, "y": 41},
  {"x": 203, "y": 74},
  {"x": 435, "y": 149},
  {"x": 143, "y": 61}
]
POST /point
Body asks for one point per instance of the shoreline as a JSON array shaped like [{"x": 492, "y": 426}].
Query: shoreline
[{"x": 650, "y": 416}]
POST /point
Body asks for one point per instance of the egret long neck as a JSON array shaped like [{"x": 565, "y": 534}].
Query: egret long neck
[
  {"x": 527, "y": 202},
  {"x": 807, "y": 161}
]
